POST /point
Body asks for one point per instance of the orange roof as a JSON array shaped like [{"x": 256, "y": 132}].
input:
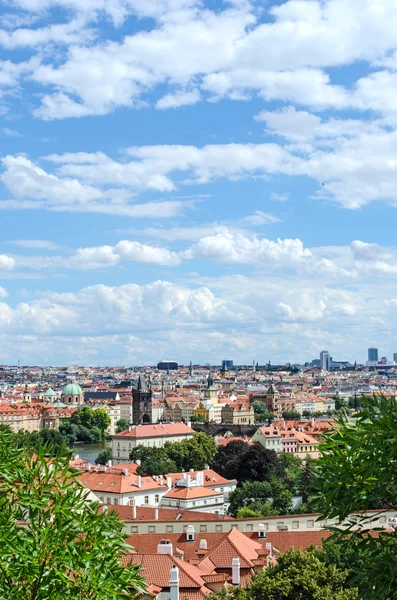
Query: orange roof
[
  {"x": 160, "y": 430},
  {"x": 211, "y": 477},
  {"x": 185, "y": 493},
  {"x": 147, "y": 514},
  {"x": 115, "y": 481}
]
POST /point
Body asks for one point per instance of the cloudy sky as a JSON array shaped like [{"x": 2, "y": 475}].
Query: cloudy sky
[{"x": 197, "y": 180}]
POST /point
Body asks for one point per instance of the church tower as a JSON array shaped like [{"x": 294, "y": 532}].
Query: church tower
[{"x": 141, "y": 403}]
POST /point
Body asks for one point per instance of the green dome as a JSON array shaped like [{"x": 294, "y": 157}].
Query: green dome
[
  {"x": 72, "y": 389},
  {"x": 50, "y": 392}
]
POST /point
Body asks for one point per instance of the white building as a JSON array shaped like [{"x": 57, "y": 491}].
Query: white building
[{"x": 147, "y": 435}]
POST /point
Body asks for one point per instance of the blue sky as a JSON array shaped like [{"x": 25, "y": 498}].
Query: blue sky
[{"x": 197, "y": 180}]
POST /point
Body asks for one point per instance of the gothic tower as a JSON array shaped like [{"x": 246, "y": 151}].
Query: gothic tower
[{"x": 141, "y": 403}]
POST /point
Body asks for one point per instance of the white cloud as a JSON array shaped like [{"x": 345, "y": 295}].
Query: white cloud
[
  {"x": 178, "y": 99},
  {"x": 35, "y": 244},
  {"x": 146, "y": 254},
  {"x": 3, "y": 293},
  {"x": 7, "y": 263}
]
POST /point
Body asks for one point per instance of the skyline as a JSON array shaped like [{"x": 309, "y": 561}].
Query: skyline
[{"x": 197, "y": 179}]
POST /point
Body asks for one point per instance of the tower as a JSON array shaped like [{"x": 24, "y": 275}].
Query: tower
[
  {"x": 141, "y": 403},
  {"x": 190, "y": 369}
]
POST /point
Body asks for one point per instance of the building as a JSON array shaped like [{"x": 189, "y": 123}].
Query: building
[
  {"x": 269, "y": 437},
  {"x": 141, "y": 403},
  {"x": 167, "y": 365},
  {"x": 72, "y": 394},
  {"x": 147, "y": 435},
  {"x": 373, "y": 355},
  {"x": 325, "y": 360},
  {"x": 238, "y": 413},
  {"x": 227, "y": 365}
]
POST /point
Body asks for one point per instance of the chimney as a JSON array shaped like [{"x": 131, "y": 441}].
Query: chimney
[
  {"x": 134, "y": 511},
  {"x": 188, "y": 481},
  {"x": 109, "y": 463},
  {"x": 206, "y": 468},
  {"x": 270, "y": 548},
  {"x": 235, "y": 571},
  {"x": 139, "y": 481},
  {"x": 169, "y": 482},
  {"x": 124, "y": 471},
  {"x": 88, "y": 467},
  {"x": 261, "y": 531},
  {"x": 312, "y": 421},
  {"x": 76, "y": 457},
  {"x": 203, "y": 544},
  {"x": 174, "y": 583},
  {"x": 190, "y": 533},
  {"x": 191, "y": 470},
  {"x": 138, "y": 462},
  {"x": 156, "y": 514},
  {"x": 164, "y": 547}
]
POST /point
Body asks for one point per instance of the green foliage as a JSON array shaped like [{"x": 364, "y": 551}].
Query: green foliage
[
  {"x": 92, "y": 419},
  {"x": 154, "y": 461},
  {"x": 199, "y": 419},
  {"x": 246, "y": 512},
  {"x": 292, "y": 466},
  {"x": 104, "y": 456},
  {"x": 356, "y": 473},
  {"x": 194, "y": 453},
  {"x": 262, "y": 413},
  {"x": 243, "y": 462},
  {"x": 267, "y": 498},
  {"x": 298, "y": 575},
  {"x": 291, "y": 414},
  {"x": 307, "y": 479},
  {"x": 122, "y": 425},
  {"x": 53, "y": 541}
]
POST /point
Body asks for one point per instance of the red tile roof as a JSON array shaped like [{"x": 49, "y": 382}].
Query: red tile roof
[{"x": 161, "y": 430}]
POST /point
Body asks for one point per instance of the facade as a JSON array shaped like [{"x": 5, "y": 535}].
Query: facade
[
  {"x": 147, "y": 435},
  {"x": 325, "y": 360},
  {"x": 141, "y": 403},
  {"x": 167, "y": 365},
  {"x": 72, "y": 394},
  {"x": 373, "y": 355},
  {"x": 194, "y": 498},
  {"x": 268, "y": 437},
  {"x": 238, "y": 413}
]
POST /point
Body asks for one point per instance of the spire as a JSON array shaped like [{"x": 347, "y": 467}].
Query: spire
[
  {"x": 141, "y": 386},
  {"x": 210, "y": 380}
]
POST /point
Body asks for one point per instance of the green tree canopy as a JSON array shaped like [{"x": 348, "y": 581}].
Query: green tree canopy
[
  {"x": 243, "y": 462},
  {"x": 262, "y": 413},
  {"x": 122, "y": 425},
  {"x": 357, "y": 472},
  {"x": 194, "y": 453},
  {"x": 54, "y": 543},
  {"x": 104, "y": 456},
  {"x": 265, "y": 497},
  {"x": 298, "y": 575}
]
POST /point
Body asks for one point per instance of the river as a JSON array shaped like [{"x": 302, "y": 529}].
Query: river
[{"x": 90, "y": 451}]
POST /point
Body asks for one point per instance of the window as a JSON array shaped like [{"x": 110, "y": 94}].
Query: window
[
  {"x": 295, "y": 524},
  {"x": 203, "y": 528},
  {"x": 157, "y": 498},
  {"x": 218, "y": 528},
  {"x": 310, "y": 524},
  {"x": 249, "y": 527},
  {"x": 109, "y": 500},
  {"x": 169, "y": 528},
  {"x": 116, "y": 500},
  {"x": 134, "y": 529},
  {"x": 152, "y": 529},
  {"x": 146, "y": 499}
]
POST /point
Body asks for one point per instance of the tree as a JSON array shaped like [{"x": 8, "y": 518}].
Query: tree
[
  {"x": 307, "y": 478},
  {"x": 154, "y": 461},
  {"x": 356, "y": 473},
  {"x": 122, "y": 425},
  {"x": 293, "y": 470},
  {"x": 267, "y": 498},
  {"x": 262, "y": 413},
  {"x": 84, "y": 416},
  {"x": 54, "y": 543},
  {"x": 291, "y": 414},
  {"x": 104, "y": 456},
  {"x": 297, "y": 575},
  {"x": 194, "y": 453},
  {"x": 240, "y": 461},
  {"x": 101, "y": 419}
]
